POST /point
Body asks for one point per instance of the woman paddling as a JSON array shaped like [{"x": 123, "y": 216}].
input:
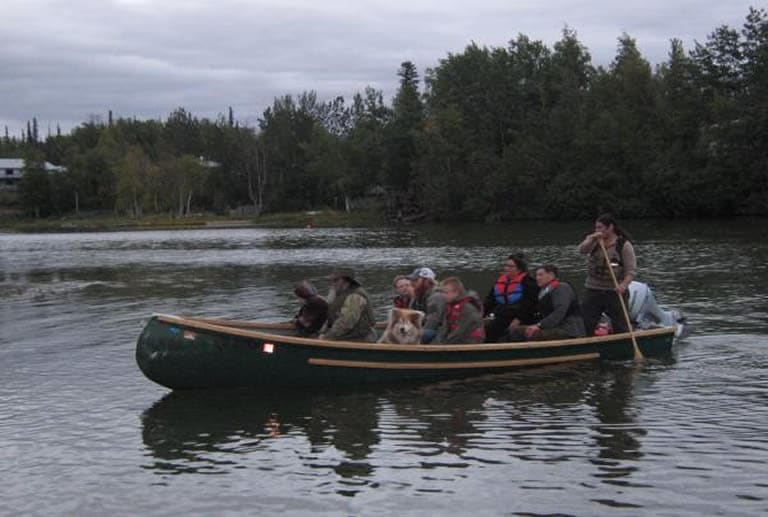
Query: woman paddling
[{"x": 602, "y": 295}]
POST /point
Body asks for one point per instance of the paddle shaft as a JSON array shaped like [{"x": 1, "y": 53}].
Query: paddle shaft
[{"x": 638, "y": 353}]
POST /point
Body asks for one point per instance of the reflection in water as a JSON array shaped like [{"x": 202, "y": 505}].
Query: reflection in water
[
  {"x": 188, "y": 431},
  {"x": 184, "y": 431},
  {"x": 553, "y": 414},
  {"x": 617, "y": 437}
]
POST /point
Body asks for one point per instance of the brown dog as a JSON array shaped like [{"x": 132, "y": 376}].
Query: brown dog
[{"x": 404, "y": 327}]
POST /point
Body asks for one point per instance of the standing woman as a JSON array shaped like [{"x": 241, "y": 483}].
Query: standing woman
[{"x": 601, "y": 293}]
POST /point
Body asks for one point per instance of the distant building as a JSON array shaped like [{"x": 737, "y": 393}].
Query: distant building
[
  {"x": 12, "y": 170},
  {"x": 208, "y": 164}
]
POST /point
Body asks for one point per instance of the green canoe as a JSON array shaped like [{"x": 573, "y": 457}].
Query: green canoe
[{"x": 186, "y": 353}]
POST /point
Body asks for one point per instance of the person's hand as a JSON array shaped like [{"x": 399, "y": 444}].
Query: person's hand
[
  {"x": 621, "y": 288},
  {"x": 596, "y": 236},
  {"x": 532, "y": 330},
  {"x": 515, "y": 323}
]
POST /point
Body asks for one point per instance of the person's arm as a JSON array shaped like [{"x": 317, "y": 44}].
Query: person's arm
[
  {"x": 561, "y": 300},
  {"x": 489, "y": 305},
  {"x": 469, "y": 319},
  {"x": 303, "y": 318},
  {"x": 529, "y": 301},
  {"x": 442, "y": 333},
  {"x": 589, "y": 243},
  {"x": 318, "y": 314},
  {"x": 435, "y": 312},
  {"x": 348, "y": 317},
  {"x": 629, "y": 265}
]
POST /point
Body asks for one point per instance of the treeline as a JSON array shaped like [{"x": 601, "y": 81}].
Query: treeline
[{"x": 524, "y": 131}]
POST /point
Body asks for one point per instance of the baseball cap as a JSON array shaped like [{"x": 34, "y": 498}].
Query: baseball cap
[{"x": 422, "y": 272}]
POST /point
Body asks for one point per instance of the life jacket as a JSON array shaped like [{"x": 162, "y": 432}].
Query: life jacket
[
  {"x": 597, "y": 265},
  {"x": 454, "y": 313},
  {"x": 509, "y": 290}
]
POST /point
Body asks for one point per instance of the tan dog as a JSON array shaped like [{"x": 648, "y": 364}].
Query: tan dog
[{"x": 404, "y": 327}]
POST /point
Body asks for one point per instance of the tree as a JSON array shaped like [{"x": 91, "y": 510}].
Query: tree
[
  {"x": 185, "y": 177},
  {"x": 406, "y": 123},
  {"x": 133, "y": 172},
  {"x": 34, "y": 187}
]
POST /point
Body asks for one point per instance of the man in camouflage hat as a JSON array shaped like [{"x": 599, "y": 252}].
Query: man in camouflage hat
[{"x": 350, "y": 316}]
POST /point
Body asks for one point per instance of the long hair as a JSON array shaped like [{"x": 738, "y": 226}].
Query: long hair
[
  {"x": 608, "y": 220},
  {"x": 520, "y": 261}
]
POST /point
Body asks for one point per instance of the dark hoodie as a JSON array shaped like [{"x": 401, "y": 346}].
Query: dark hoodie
[{"x": 313, "y": 312}]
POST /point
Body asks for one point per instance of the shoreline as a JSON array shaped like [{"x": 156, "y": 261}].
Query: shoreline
[
  {"x": 308, "y": 219},
  {"x": 97, "y": 223}
]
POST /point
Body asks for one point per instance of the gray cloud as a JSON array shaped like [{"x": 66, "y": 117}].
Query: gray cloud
[{"x": 62, "y": 61}]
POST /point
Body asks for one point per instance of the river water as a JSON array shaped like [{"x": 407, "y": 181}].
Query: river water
[{"x": 82, "y": 432}]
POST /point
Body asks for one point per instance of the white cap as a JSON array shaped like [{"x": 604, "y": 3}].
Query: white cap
[{"x": 422, "y": 272}]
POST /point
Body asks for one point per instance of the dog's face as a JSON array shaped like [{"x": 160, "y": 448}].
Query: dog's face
[{"x": 405, "y": 326}]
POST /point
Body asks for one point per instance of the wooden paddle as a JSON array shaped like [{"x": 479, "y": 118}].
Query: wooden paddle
[{"x": 638, "y": 353}]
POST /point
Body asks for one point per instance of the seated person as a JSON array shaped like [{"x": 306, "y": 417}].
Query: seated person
[
  {"x": 644, "y": 310},
  {"x": 463, "y": 315},
  {"x": 404, "y": 291},
  {"x": 313, "y": 311},
  {"x": 512, "y": 300},
  {"x": 558, "y": 309},
  {"x": 350, "y": 316},
  {"x": 429, "y": 299},
  {"x": 646, "y": 313}
]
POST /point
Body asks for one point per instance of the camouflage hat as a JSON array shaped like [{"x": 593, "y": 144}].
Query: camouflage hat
[{"x": 346, "y": 273}]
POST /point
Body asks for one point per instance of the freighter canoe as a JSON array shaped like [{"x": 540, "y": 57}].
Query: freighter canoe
[{"x": 187, "y": 353}]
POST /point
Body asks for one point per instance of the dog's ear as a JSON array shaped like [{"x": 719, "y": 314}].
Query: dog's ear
[
  {"x": 418, "y": 317},
  {"x": 394, "y": 314}
]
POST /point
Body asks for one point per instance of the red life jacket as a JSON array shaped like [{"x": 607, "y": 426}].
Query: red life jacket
[
  {"x": 509, "y": 290},
  {"x": 454, "y": 313}
]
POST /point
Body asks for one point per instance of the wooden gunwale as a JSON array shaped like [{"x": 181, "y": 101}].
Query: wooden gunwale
[
  {"x": 453, "y": 365},
  {"x": 204, "y": 324},
  {"x": 283, "y": 325}
]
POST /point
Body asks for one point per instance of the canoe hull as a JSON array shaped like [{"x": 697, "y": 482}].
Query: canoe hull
[{"x": 189, "y": 353}]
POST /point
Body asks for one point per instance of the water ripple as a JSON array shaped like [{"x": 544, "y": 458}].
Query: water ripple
[{"x": 82, "y": 432}]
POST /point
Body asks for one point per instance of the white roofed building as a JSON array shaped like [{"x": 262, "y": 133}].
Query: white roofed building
[{"x": 12, "y": 170}]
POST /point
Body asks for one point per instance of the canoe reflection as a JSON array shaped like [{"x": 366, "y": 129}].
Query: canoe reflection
[{"x": 553, "y": 414}]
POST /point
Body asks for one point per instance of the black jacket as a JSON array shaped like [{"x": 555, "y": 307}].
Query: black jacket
[{"x": 524, "y": 309}]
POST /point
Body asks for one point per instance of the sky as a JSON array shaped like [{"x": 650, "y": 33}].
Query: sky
[{"x": 69, "y": 61}]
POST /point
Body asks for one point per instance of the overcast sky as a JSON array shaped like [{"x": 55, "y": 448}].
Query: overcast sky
[{"x": 64, "y": 61}]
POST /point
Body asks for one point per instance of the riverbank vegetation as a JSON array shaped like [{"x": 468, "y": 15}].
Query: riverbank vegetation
[
  {"x": 110, "y": 222},
  {"x": 522, "y": 131}
]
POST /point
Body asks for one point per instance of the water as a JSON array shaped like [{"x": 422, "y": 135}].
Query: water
[{"x": 82, "y": 432}]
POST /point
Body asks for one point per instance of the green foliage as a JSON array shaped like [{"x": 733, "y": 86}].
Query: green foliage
[
  {"x": 521, "y": 131},
  {"x": 35, "y": 187}
]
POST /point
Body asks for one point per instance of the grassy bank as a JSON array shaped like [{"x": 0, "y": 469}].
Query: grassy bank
[{"x": 103, "y": 223}]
